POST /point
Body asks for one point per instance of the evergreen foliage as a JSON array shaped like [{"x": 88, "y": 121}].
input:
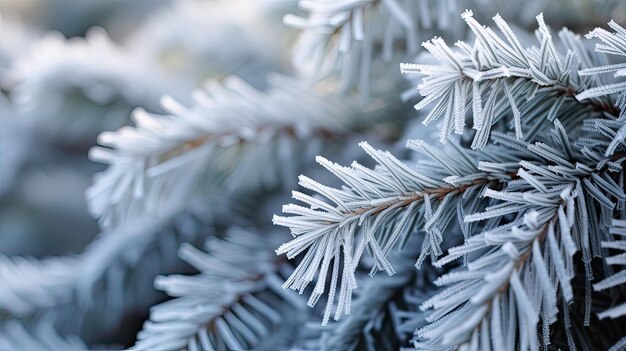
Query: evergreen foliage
[{"x": 500, "y": 226}]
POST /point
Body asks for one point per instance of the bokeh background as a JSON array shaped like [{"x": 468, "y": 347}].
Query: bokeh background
[{"x": 52, "y": 123}]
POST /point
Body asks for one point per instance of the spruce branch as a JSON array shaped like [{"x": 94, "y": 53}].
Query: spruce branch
[
  {"x": 612, "y": 44},
  {"x": 368, "y": 307},
  {"x": 498, "y": 75},
  {"x": 570, "y": 179},
  {"x": 618, "y": 228},
  {"x": 377, "y": 209},
  {"x": 233, "y": 129},
  {"x": 378, "y": 308},
  {"x": 534, "y": 209},
  {"x": 233, "y": 303},
  {"x": 502, "y": 280},
  {"x": 606, "y": 145},
  {"x": 516, "y": 264}
]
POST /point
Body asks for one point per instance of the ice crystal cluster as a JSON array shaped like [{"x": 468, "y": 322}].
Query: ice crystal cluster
[{"x": 313, "y": 175}]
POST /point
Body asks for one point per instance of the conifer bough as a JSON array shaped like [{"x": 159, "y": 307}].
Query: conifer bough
[
  {"x": 506, "y": 234},
  {"x": 525, "y": 204}
]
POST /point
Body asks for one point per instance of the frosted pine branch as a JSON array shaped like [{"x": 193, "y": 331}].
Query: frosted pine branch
[
  {"x": 612, "y": 44},
  {"x": 498, "y": 75},
  {"x": 603, "y": 141},
  {"x": 533, "y": 251},
  {"x": 233, "y": 303},
  {"x": 376, "y": 307},
  {"x": 497, "y": 286},
  {"x": 233, "y": 129},
  {"x": 376, "y": 210},
  {"x": 618, "y": 228}
]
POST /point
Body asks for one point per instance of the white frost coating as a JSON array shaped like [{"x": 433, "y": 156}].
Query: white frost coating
[
  {"x": 156, "y": 163},
  {"x": 233, "y": 302}
]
